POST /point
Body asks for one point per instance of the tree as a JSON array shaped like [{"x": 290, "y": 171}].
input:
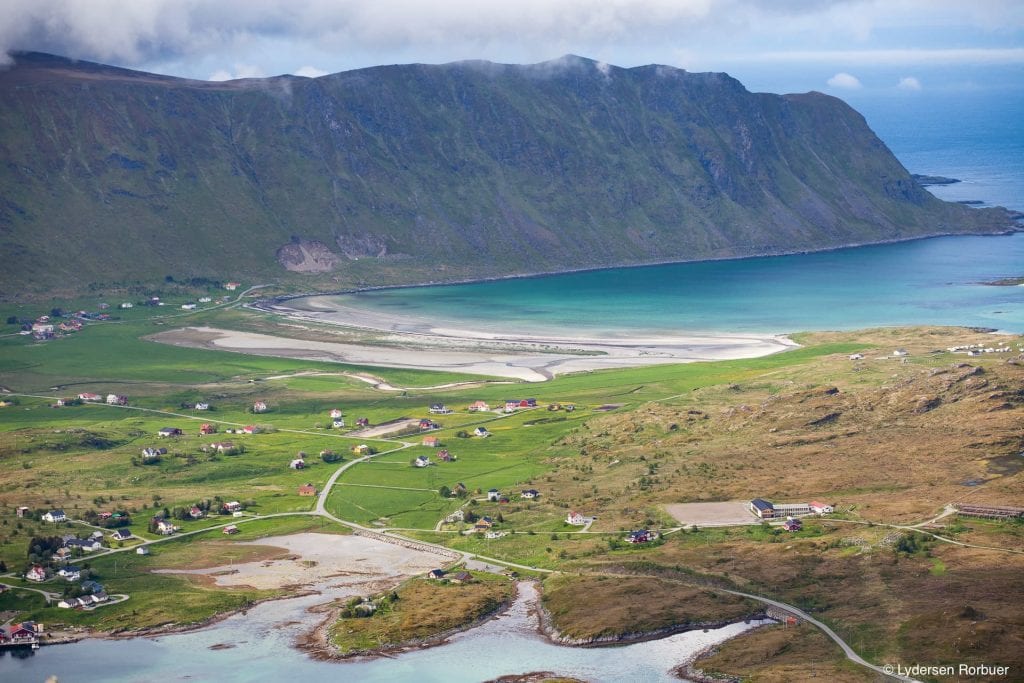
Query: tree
[
  {"x": 56, "y": 312},
  {"x": 444, "y": 492},
  {"x": 12, "y": 320}
]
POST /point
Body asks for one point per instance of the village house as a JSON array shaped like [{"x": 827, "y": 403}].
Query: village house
[
  {"x": 492, "y": 534},
  {"x": 230, "y": 529},
  {"x": 339, "y": 423},
  {"x": 457, "y": 516},
  {"x": 857, "y": 356},
  {"x": 207, "y": 428},
  {"x": 493, "y": 495},
  {"x": 233, "y": 506},
  {"x": 55, "y": 516},
  {"x": 70, "y": 573},
  {"x": 335, "y": 413},
  {"x": 121, "y": 535},
  {"x": 259, "y": 407},
  {"x": 87, "y": 545},
  {"x": 460, "y": 577},
  {"x": 421, "y": 461},
  {"x": 436, "y": 574},
  {"x": 819, "y": 508},
  {"x": 483, "y": 524},
  {"x": 89, "y": 396},
  {"x": 168, "y": 432},
  {"x": 25, "y": 633},
  {"x": 250, "y": 429},
  {"x": 188, "y": 307},
  {"x": 439, "y": 409},
  {"x": 481, "y": 431},
  {"x": 116, "y": 400},
  {"x": 23, "y": 510},
  {"x": 142, "y": 550},
  {"x": 428, "y": 424},
  {"x": 307, "y": 490},
  {"x": 232, "y": 286},
  {"x": 222, "y": 446},
  {"x": 445, "y": 456},
  {"x": 126, "y": 305},
  {"x": 431, "y": 441},
  {"x": 37, "y": 573},
  {"x": 195, "y": 512},
  {"x": 164, "y": 527},
  {"x": 361, "y": 449},
  {"x": 576, "y": 519},
  {"x": 62, "y": 555},
  {"x": 297, "y": 464},
  {"x": 530, "y": 494},
  {"x": 641, "y": 536},
  {"x": 792, "y": 524},
  {"x": 202, "y": 406},
  {"x": 205, "y": 299},
  {"x": 363, "y": 422},
  {"x": 899, "y": 353},
  {"x": 479, "y": 407}
]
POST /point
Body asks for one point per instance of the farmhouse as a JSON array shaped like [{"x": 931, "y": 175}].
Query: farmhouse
[
  {"x": 233, "y": 506},
  {"x": 479, "y": 406},
  {"x": 457, "y": 516},
  {"x": 121, "y": 535},
  {"x": 230, "y": 529},
  {"x": 361, "y": 449},
  {"x": 439, "y": 409},
  {"x": 55, "y": 516},
  {"x": 307, "y": 490},
  {"x": 162, "y": 526},
  {"x": 792, "y": 524},
  {"x": 990, "y": 511},
  {"x": 70, "y": 573},
  {"x": 232, "y": 286},
  {"x": 460, "y": 577},
  {"x": 196, "y": 513},
  {"x": 88, "y": 396},
  {"x": 481, "y": 431},
  {"x": 169, "y": 431},
  {"x": 23, "y": 510},
  {"x": 576, "y": 519},
  {"x": 530, "y": 494},
  {"x": 223, "y": 446},
  {"x": 207, "y": 428},
  {"x": 116, "y": 400},
  {"x": 250, "y": 429},
  {"x": 335, "y": 413},
  {"x": 37, "y": 573},
  {"x": 297, "y": 464},
  {"x": 819, "y": 508},
  {"x": 338, "y": 424},
  {"x": 259, "y": 407},
  {"x": 25, "y": 633},
  {"x": 421, "y": 461},
  {"x": 431, "y": 441},
  {"x": 435, "y": 574},
  {"x": 85, "y": 544},
  {"x": 428, "y": 424},
  {"x": 445, "y": 456},
  {"x": 142, "y": 550},
  {"x": 493, "y": 495},
  {"x": 188, "y": 307},
  {"x": 483, "y": 524},
  {"x": 641, "y": 536},
  {"x": 202, "y": 406},
  {"x": 363, "y": 422}
]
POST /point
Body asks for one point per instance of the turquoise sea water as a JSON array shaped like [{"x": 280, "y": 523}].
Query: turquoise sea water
[
  {"x": 978, "y": 139},
  {"x": 932, "y": 281}
]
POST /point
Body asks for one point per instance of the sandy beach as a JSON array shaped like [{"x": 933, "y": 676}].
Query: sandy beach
[
  {"x": 344, "y": 561},
  {"x": 406, "y": 342}
]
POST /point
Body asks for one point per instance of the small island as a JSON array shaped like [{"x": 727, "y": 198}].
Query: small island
[{"x": 1006, "y": 282}]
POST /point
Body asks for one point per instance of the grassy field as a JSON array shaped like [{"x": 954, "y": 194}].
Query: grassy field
[
  {"x": 888, "y": 440},
  {"x": 424, "y": 609}
]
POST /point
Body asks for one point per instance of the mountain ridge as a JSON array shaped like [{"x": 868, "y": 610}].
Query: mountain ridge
[{"x": 412, "y": 173}]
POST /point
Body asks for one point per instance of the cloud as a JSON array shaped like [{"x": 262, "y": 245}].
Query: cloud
[
  {"x": 310, "y": 72},
  {"x": 845, "y": 81},
  {"x": 885, "y": 57},
  {"x": 241, "y": 71},
  {"x": 909, "y": 83}
]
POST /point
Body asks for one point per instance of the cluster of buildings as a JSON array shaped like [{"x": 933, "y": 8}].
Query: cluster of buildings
[
  {"x": 978, "y": 349},
  {"x": 24, "y": 633},
  {"x": 764, "y": 509}
]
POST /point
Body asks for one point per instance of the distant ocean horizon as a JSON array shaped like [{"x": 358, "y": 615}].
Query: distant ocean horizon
[{"x": 977, "y": 139}]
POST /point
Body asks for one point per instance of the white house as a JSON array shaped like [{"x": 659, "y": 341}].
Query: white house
[
  {"x": 335, "y": 414},
  {"x": 202, "y": 406},
  {"x": 422, "y": 461},
  {"x": 493, "y": 495},
  {"x": 481, "y": 431},
  {"x": 297, "y": 464},
  {"x": 55, "y": 516},
  {"x": 36, "y": 573},
  {"x": 339, "y": 423},
  {"x": 820, "y": 508},
  {"x": 142, "y": 550},
  {"x": 576, "y": 519},
  {"x": 857, "y": 356},
  {"x": 70, "y": 573},
  {"x": 900, "y": 353},
  {"x": 259, "y": 407},
  {"x": 188, "y": 307},
  {"x": 127, "y": 304}
]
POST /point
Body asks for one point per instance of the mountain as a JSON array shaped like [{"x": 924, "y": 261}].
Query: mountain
[{"x": 421, "y": 173}]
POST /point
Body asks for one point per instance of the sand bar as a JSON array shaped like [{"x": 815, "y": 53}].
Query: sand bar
[{"x": 406, "y": 342}]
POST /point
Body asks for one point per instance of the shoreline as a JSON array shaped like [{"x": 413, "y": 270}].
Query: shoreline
[{"x": 1018, "y": 217}]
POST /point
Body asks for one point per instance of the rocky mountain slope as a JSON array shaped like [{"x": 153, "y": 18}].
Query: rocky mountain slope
[{"x": 429, "y": 172}]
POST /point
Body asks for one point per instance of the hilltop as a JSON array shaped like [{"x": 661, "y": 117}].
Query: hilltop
[{"x": 417, "y": 173}]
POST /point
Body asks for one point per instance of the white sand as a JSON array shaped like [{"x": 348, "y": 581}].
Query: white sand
[
  {"x": 342, "y": 560},
  {"x": 409, "y": 343}
]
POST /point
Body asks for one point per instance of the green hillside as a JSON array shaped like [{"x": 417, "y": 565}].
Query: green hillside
[{"x": 419, "y": 173}]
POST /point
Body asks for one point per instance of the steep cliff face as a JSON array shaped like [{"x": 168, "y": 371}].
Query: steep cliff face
[{"x": 431, "y": 172}]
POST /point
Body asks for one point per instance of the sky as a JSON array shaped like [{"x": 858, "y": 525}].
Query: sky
[{"x": 854, "y": 48}]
